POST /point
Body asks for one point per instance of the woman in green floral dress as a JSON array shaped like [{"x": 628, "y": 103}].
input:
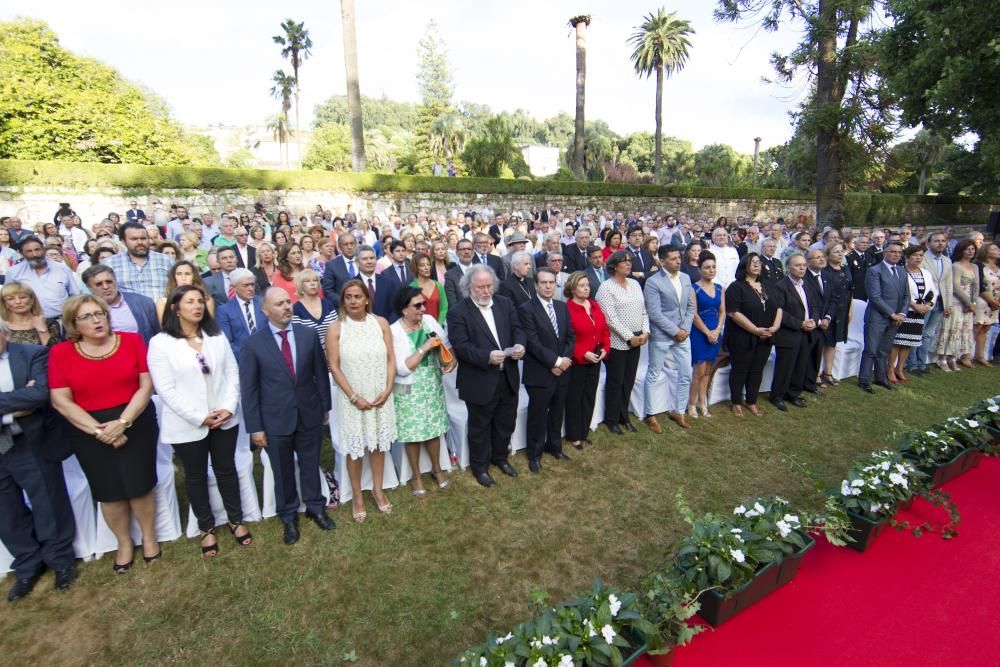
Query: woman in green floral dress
[{"x": 421, "y": 416}]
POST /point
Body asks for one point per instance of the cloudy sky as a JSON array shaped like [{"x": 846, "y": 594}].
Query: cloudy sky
[{"x": 213, "y": 60}]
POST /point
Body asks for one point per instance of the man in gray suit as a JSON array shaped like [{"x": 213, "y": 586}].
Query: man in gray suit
[
  {"x": 936, "y": 261},
  {"x": 888, "y": 298},
  {"x": 670, "y": 305}
]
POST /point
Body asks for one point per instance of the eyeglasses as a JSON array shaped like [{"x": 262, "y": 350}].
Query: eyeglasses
[
  {"x": 419, "y": 306},
  {"x": 96, "y": 316},
  {"x": 204, "y": 365}
]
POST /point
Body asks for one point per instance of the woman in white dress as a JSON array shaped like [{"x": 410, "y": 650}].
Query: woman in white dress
[{"x": 359, "y": 350}]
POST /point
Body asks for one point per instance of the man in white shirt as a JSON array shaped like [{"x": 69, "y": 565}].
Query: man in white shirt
[
  {"x": 936, "y": 261},
  {"x": 73, "y": 237},
  {"x": 726, "y": 257}
]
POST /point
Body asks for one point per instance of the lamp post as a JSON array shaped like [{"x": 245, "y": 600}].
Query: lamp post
[{"x": 756, "y": 155}]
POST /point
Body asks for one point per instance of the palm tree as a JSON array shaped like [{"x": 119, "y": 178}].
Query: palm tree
[
  {"x": 295, "y": 45},
  {"x": 277, "y": 125},
  {"x": 661, "y": 46},
  {"x": 282, "y": 90},
  {"x": 353, "y": 88},
  {"x": 448, "y": 134},
  {"x": 580, "y": 23}
]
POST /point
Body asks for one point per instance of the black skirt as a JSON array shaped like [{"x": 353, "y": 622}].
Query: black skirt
[{"x": 123, "y": 473}]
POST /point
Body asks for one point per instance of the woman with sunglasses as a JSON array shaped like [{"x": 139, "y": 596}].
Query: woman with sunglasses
[{"x": 195, "y": 375}]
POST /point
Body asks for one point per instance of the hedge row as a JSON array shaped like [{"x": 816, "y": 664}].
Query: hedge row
[{"x": 132, "y": 176}]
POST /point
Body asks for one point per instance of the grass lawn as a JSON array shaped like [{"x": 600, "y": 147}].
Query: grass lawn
[{"x": 418, "y": 586}]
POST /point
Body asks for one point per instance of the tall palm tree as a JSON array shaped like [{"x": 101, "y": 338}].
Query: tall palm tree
[
  {"x": 283, "y": 87},
  {"x": 660, "y": 46},
  {"x": 580, "y": 23},
  {"x": 295, "y": 45},
  {"x": 353, "y": 88},
  {"x": 277, "y": 125}
]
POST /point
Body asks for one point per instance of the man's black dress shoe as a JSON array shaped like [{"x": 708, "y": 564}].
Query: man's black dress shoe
[
  {"x": 615, "y": 428},
  {"x": 866, "y": 387},
  {"x": 65, "y": 578},
  {"x": 816, "y": 392},
  {"x": 291, "y": 532},
  {"x": 559, "y": 456},
  {"x": 629, "y": 426},
  {"x": 21, "y": 589},
  {"x": 780, "y": 405},
  {"x": 322, "y": 519},
  {"x": 507, "y": 469},
  {"x": 886, "y": 385},
  {"x": 485, "y": 480},
  {"x": 589, "y": 441},
  {"x": 798, "y": 402},
  {"x": 534, "y": 465}
]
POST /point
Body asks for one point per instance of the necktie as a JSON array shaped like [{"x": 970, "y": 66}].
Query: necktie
[
  {"x": 638, "y": 259},
  {"x": 819, "y": 281},
  {"x": 893, "y": 270},
  {"x": 250, "y": 323},
  {"x": 371, "y": 291},
  {"x": 231, "y": 292},
  {"x": 286, "y": 352},
  {"x": 402, "y": 275},
  {"x": 552, "y": 316},
  {"x": 350, "y": 268}
]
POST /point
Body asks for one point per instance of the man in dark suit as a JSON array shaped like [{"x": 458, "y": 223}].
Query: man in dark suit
[
  {"x": 876, "y": 247},
  {"x": 134, "y": 213},
  {"x": 642, "y": 262},
  {"x": 545, "y": 321},
  {"x": 575, "y": 254},
  {"x": 518, "y": 287},
  {"x": 771, "y": 270},
  {"x": 246, "y": 255},
  {"x": 857, "y": 261},
  {"x": 130, "y": 311},
  {"x": 285, "y": 388},
  {"x": 453, "y": 276},
  {"x": 595, "y": 269},
  {"x": 482, "y": 327},
  {"x": 395, "y": 276},
  {"x": 482, "y": 243},
  {"x": 799, "y": 306},
  {"x": 42, "y": 536},
  {"x": 825, "y": 292},
  {"x": 888, "y": 299},
  {"x": 341, "y": 268},
  {"x": 218, "y": 284},
  {"x": 241, "y": 316}
]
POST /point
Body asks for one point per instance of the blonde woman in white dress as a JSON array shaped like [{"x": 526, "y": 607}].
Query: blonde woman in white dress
[{"x": 359, "y": 350}]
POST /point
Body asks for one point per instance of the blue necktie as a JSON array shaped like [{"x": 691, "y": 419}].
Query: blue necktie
[{"x": 552, "y": 316}]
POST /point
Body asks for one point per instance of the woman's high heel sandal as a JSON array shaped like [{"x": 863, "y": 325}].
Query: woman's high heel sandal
[
  {"x": 212, "y": 549},
  {"x": 703, "y": 407},
  {"x": 692, "y": 412},
  {"x": 244, "y": 540}
]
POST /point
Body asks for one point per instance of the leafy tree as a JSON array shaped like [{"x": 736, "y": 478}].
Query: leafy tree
[
  {"x": 204, "y": 152},
  {"x": 719, "y": 165},
  {"x": 600, "y": 145},
  {"x": 580, "y": 24},
  {"x": 353, "y": 87},
  {"x": 660, "y": 46},
  {"x": 436, "y": 87},
  {"x": 678, "y": 161},
  {"x": 941, "y": 60},
  {"x": 494, "y": 150},
  {"x": 447, "y": 134},
  {"x": 923, "y": 152},
  {"x": 55, "y": 105},
  {"x": 848, "y": 111},
  {"x": 330, "y": 149},
  {"x": 241, "y": 159},
  {"x": 295, "y": 44},
  {"x": 374, "y": 113}
]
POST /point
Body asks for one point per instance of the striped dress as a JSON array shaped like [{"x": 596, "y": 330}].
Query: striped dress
[
  {"x": 301, "y": 315},
  {"x": 911, "y": 331}
]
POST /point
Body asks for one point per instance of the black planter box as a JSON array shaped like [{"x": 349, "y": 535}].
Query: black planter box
[
  {"x": 949, "y": 470},
  {"x": 789, "y": 565},
  {"x": 864, "y": 531},
  {"x": 717, "y": 608}
]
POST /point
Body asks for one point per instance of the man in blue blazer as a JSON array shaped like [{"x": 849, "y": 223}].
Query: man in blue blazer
[
  {"x": 42, "y": 536},
  {"x": 285, "y": 388},
  {"x": 341, "y": 268},
  {"x": 642, "y": 261},
  {"x": 395, "y": 276},
  {"x": 545, "y": 321},
  {"x": 242, "y": 315},
  {"x": 482, "y": 329},
  {"x": 670, "y": 305},
  {"x": 130, "y": 311},
  {"x": 888, "y": 299}
]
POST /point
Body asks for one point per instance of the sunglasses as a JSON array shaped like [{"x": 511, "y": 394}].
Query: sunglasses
[
  {"x": 419, "y": 306},
  {"x": 204, "y": 365}
]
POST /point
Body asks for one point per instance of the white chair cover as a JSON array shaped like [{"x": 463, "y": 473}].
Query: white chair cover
[
  {"x": 848, "y": 359},
  {"x": 389, "y": 479},
  {"x": 404, "y": 473},
  {"x": 248, "y": 488},
  {"x": 268, "y": 506}
]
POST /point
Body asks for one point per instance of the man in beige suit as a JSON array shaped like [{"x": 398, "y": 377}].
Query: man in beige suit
[{"x": 936, "y": 261}]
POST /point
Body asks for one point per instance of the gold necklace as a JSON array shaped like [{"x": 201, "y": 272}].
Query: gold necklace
[{"x": 98, "y": 357}]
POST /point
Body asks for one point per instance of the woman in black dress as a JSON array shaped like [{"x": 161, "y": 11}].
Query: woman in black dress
[
  {"x": 754, "y": 319},
  {"x": 837, "y": 274}
]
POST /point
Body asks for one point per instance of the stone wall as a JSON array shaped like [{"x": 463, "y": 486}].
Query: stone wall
[{"x": 39, "y": 203}]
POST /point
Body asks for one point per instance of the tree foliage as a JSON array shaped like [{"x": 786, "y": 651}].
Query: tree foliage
[
  {"x": 489, "y": 154},
  {"x": 55, "y": 105},
  {"x": 375, "y": 113},
  {"x": 330, "y": 149}
]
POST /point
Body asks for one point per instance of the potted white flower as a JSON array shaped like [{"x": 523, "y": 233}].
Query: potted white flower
[{"x": 873, "y": 490}]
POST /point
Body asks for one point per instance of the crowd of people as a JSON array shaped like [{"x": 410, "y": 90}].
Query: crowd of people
[{"x": 275, "y": 325}]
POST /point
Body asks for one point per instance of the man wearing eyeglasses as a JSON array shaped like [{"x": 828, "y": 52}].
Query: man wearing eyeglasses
[
  {"x": 130, "y": 311},
  {"x": 134, "y": 213}
]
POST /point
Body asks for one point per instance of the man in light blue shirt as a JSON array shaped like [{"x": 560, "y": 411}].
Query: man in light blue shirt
[{"x": 51, "y": 282}]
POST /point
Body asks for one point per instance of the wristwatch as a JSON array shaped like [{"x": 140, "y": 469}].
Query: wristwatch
[{"x": 126, "y": 423}]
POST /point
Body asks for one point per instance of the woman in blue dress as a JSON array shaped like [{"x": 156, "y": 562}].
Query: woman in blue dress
[{"x": 706, "y": 338}]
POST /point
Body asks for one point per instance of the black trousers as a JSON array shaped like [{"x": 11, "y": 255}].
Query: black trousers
[
  {"x": 490, "y": 427},
  {"x": 220, "y": 444},
  {"x": 814, "y": 352},
  {"x": 43, "y": 535},
  {"x": 581, "y": 394},
  {"x": 620, "y": 368},
  {"x": 546, "y": 407},
  {"x": 282, "y": 451},
  {"x": 746, "y": 371},
  {"x": 790, "y": 368}
]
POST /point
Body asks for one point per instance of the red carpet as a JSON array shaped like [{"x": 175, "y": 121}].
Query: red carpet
[{"x": 906, "y": 601}]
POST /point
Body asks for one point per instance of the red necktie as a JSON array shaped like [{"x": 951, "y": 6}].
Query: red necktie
[
  {"x": 232, "y": 291},
  {"x": 371, "y": 291},
  {"x": 286, "y": 352}
]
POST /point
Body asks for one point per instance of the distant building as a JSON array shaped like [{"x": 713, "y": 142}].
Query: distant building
[
  {"x": 542, "y": 160},
  {"x": 259, "y": 141}
]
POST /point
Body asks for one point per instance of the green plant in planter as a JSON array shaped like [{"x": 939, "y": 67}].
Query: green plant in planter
[
  {"x": 779, "y": 531},
  {"x": 668, "y": 605},
  {"x": 987, "y": 413},
  {"x": 967, "y": 430},
  {"x": 717, "y": 555},
  {"x": 877, "y": 483},
  {"x": 931, "y": 447}
]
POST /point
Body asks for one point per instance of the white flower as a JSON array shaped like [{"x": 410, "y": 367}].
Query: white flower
[
  {"x": 898, "y": 480},
  {"x": 740, "y": 510},
  {"x": 994, "y": 408},
  {"x": 758, "y": 508},
  {"x": 751, "y": 514},
  {"x": 973, "y": 423},
  {"x": 931, "y": 434},
  {"x": 547, "y": 641},
  {"x": 902, "y": 469},
  {"x": 858, "y": 483},
  {"x": 737, "y": 555},
  {"x": 791, "y": 518},
  {"x": 501, "y": 640},
  {"x": 780, "y": 500},
  {"x": 885, "y": 465},
  {"x": 482, "y": 661},
  {"x": 590, "y": 627},
  {"x": 736, "y": 531},
  {"x": 509, "y": 663},
  {"x": 783, "y": 528},
  {"x": 536, "y": 644},
  {"x": 609, "y": 633},
  {"x": 565, "y": 660},
  {"x": 615, "y": 604},
  {"x": 540, "y": 663},
  {"x": 845, "y": 488},
  {"x": 876, "y": 507}
]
